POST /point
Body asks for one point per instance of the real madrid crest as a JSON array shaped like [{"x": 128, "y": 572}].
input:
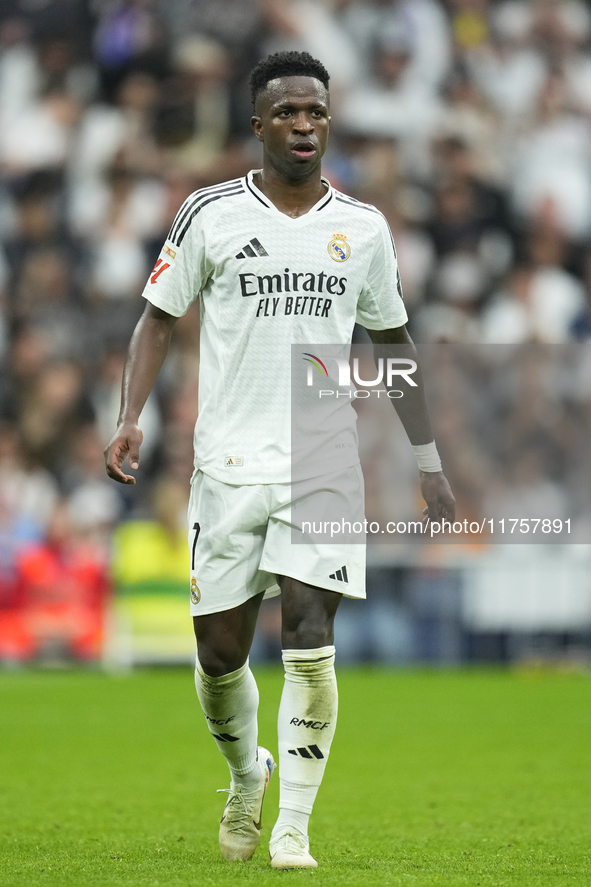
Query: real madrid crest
[
  {"x": 338, "y": 248},
  {"x": 195, "y": 593}
]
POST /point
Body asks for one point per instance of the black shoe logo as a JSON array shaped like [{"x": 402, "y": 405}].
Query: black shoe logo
[
  {"x": 252, "y": 250},
  {"x": 340, "y": 575},
  {"x": 305, "y": 752}
]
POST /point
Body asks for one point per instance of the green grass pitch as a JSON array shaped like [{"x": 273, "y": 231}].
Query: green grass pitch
[{"x": 450, "y": 778}]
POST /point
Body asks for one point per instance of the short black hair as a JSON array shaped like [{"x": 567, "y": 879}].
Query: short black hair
[{"x": 286, "y": 64}]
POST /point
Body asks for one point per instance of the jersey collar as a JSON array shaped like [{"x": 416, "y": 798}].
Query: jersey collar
[{"x": 257, "y": 194}]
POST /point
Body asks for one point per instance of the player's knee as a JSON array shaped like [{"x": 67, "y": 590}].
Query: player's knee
[
  {"x": 218, "y": 662},
  {"x": 307, "y": 616},
  {"x": 308, "y": 634}
]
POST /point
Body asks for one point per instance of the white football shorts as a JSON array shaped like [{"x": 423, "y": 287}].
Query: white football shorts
[{"x": 240, "y": 538}]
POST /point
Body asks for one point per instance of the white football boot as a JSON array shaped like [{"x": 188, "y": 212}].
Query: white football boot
[
  {"x": 240, "y": 827},
  {"x": 290, "y": 850}
]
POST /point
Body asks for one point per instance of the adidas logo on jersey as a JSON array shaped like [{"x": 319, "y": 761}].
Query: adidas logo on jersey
[
  {"x": 305, "y": 752},
  {"x": 252, "y": 249},
  {"x": 340, "y": 575}
]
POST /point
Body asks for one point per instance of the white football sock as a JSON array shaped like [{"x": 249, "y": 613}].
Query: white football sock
[
  {"x": 307, "y": 721},
  {"x": 230, "y": 706}
]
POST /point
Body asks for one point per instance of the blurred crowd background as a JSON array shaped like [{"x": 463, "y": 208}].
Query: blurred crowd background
[{"x": 467, "y": 122}]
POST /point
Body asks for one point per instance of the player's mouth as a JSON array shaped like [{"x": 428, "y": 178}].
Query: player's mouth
[{"x": 304, "y": 150}]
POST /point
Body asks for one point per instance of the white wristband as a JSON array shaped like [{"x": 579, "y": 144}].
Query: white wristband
[{"x": 427, "y": 457}]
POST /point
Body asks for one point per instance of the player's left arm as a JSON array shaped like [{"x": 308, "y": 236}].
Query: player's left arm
[{"x": 413, "y": 413}]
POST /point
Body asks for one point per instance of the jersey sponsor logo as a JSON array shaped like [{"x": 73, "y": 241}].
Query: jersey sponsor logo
[
  {"x": 157, "y": 270},
  {"x": 252, "y": 249},
  {"x": 311, "y": 725},
  {"x": 233, "y": 461},
  {"x": 338, "y": 248},
  {"x": 340, "y": 575},
  {"x": 291, "y": 282},
  {"x": 195, "y": 592},
  {"x": 295, "y": 282},
  {"x": 310, "y": 752},
  {"x": 169, "y": 252},
  {"x": 312, "y": 306}
]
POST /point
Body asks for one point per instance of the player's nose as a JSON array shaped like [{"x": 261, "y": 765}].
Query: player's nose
[{"x": 302, "y": 123}]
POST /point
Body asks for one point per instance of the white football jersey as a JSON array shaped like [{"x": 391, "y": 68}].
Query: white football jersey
[{"x": 265, "y": 282}]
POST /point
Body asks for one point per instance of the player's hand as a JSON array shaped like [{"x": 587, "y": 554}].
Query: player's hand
[
  {"x": 437, "y": 493},
  {"x": 126, "y": 443}
]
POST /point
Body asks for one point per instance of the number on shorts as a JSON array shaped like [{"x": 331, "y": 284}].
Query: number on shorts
[{"x": 197, "y": 529}]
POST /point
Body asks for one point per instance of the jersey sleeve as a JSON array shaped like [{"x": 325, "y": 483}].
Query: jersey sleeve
[
  {"x": 182, "y": 269},
  {"x": 380, "y": 305}
]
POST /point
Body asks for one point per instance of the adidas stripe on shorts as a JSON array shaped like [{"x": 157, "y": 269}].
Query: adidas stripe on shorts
[{"x": 240, "y": 538}]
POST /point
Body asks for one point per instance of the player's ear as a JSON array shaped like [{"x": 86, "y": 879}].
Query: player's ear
[{"x": 257, "y": 126}]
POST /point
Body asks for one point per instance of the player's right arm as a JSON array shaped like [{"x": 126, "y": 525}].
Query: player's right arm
[
  {"x": 173, "y": 285},
  {"x": 147, "y": 350}
]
